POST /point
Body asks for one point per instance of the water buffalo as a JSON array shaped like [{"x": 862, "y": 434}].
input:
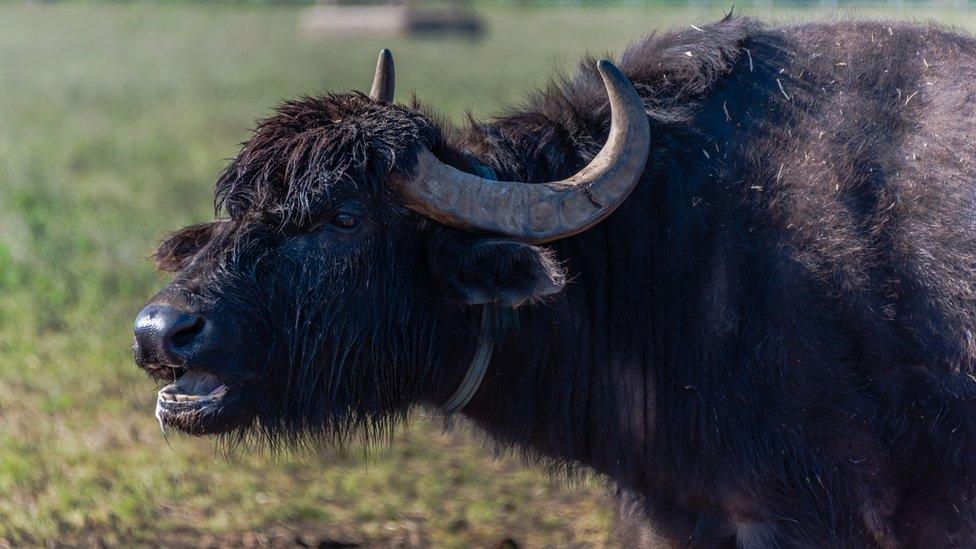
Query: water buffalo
[{"x": 736, "y": 277}]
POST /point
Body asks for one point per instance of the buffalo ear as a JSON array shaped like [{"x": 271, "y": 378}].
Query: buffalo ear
[
  {"x": 489, "y": 270},
  {"x": 176, "y": 250}
]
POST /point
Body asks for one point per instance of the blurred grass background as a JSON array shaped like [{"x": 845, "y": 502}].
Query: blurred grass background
[{"x": 114, "y": 121}]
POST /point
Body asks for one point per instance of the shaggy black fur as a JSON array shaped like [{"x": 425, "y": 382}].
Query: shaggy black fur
[{"x": 770, "y": 344}]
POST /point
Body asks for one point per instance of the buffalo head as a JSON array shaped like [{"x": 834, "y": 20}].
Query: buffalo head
[{"x": 342, "y": 285}]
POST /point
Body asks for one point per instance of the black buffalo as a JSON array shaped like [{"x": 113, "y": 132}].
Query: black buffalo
[{"x": 771, "y": 342}]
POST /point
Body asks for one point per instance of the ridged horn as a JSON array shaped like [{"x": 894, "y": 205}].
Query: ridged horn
[
  {"x": 542, "y": 212},
  {"x": 384, "y": 81}
]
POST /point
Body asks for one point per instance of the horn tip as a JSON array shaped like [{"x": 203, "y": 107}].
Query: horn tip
[
  {"x": 605, "y": 66},
  {"x": 383, "y": 81}
]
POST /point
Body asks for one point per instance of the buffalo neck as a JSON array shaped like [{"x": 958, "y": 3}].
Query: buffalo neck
[
  {"x": 572, "y": 382},
  {"x": 569, "y": 381}
]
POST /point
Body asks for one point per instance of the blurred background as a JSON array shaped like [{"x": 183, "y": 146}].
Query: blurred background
[{"x": 114, "y": 121}]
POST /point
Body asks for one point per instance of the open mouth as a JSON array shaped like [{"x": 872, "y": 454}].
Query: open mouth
[
  {"x": 197, "y": 403},
  {"x": 194, "y": 386}
]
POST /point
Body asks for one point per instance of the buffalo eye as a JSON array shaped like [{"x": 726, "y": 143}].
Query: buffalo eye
[{"x": 345, "y": 221}]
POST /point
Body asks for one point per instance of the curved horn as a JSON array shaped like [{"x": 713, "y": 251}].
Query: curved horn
[
  {"x": 542, "y": 212},
  {"x": 384, "y": 79}
]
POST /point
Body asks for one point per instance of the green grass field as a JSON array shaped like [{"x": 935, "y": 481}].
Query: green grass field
[{"x": 114, "y": 120}]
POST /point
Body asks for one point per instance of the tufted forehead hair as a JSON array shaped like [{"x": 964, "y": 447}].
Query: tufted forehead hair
[{"x": 313, "y": 146}]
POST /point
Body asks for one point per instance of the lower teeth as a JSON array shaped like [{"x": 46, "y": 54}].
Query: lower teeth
[{"x": 179, "y": 397}]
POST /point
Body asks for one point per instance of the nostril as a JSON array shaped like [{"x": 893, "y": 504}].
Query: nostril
[
  {"x": 184, "y": 335},
  {"x": 165, "y": 334}
]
